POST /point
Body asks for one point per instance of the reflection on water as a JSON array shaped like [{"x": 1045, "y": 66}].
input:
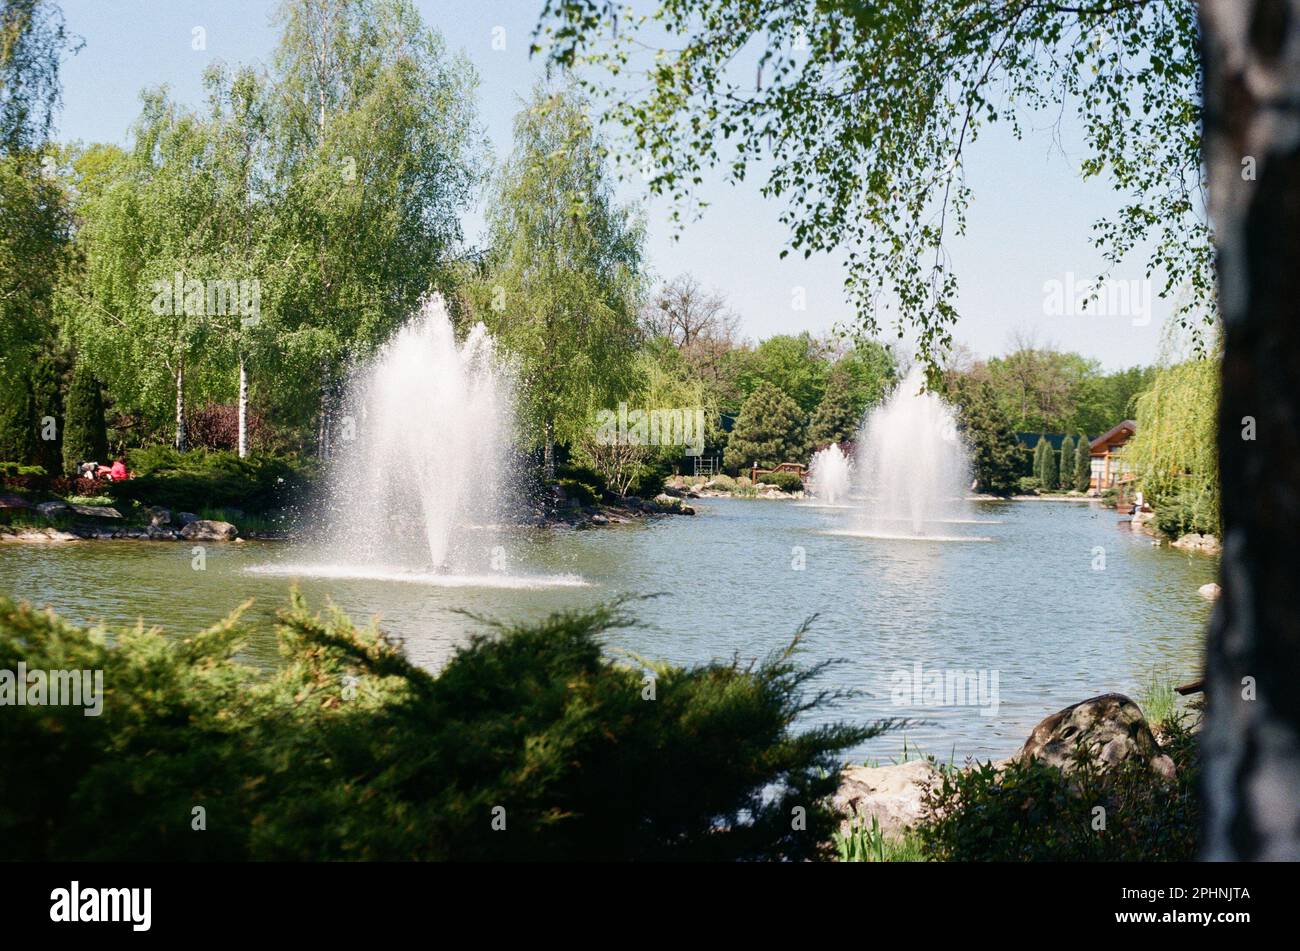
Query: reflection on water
[{"x": 739, "y": 578}]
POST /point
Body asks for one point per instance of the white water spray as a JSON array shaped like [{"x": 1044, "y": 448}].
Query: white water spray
[
  {"x": 423, "y": 474},
  {"x": 830, "y": 475},
  {"x": 912, "y": 465}
]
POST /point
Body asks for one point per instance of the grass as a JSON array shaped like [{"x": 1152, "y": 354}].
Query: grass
[
  {"x": 863, "y": 843},
  {"x": 1159, "y": 699}
]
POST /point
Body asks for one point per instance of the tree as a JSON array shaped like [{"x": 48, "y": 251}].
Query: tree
[
  {"x": 33, "y": 240},
  {"x": 1040, "y": 460},
  {"x": 85, "y": 438},
  {"x": 1082, "y": 464},
  {"x": 17, "y": 422},
  {"x": 771, "y": 430},
  {"x": 564, "y": 283},
  {"x": 1251, "y": 740},
  {"x": 837, "y": 417},
  {"x": 1065, "y": 469},
  {"x": 859, "y": 116},
  {"x": 1051, "y": 469},
  {"x": 1173, "y": 452},
  {"x": 47, "y": 400},
  {"x": 994, "y": 449},
  {"x": 377, "y": 151},
  {"x": 794, "y": 364}
]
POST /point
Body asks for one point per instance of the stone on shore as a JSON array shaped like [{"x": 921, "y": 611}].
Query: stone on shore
[
  {"x": 1111, "y": 726},
  {"x": 1209, "y": 591},
  {"x": 1195, "y": 541},
  {"x": 207, "y": 530},
  {"x": 890, "y": 794}
]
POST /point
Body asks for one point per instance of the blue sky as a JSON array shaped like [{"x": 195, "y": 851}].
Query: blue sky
[{"x": 1029, "y": 222}]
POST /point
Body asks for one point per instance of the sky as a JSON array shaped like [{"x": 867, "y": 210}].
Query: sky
[{"x": 1028, "y": 225}]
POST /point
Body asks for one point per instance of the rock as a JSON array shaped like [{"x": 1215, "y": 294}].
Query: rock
[
  {"x": 675, "y": 491},
  {"x": 1195, "y": 541},
  {"x": 95, "y": 511},
  {"x": 632, "y": 501},
  {"x": 54, "y": 508},
  {"x": 599, "y": 519},
  {"x": 13, "y": 502},
  {"x": 686, "y": 510},
  {"x": 184, "y": 518},
  {"x": 892, "y": 794},
  {"x": 668, "y": 503},
  {"x": 205, "y": 530},
  {"x": 158, "y": 515},
  {"x": 1111, "y": 726},
  {"x": 1209, "y": 591}
]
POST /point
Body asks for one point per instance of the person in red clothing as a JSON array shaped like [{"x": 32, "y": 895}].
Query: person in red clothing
[{"x": 116, "y": 472}]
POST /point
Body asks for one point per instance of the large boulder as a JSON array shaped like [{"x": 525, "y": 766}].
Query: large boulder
[
  {"x": 54, "y": 508},
  {"x": 207, "y": 530},
  {"x": 891, "y": 794},
  {"x": 1195, "y": 541},
  {"x": 1111, "y": 727}
]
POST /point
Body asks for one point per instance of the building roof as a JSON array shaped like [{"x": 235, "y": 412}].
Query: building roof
[
  {"x": 1030, "y": 440},
  {"x": 1119, "y": 433}
]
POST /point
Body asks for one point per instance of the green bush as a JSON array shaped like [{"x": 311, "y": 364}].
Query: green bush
[
  {"x": 18, "y": 469},
  {"x": 649, "y": 479},
  {"x": 1029, "y": 485},
  {"x": 349, "y": 751},
  {"x": 583, "y": 474},
  {"x": 1185, "y": 513},
  {"x": 201, "y": 479},
  {"x": 583, "y": 493},
  {"x": 724, "y": 483},
  {"x": 785, "y": 481},
  {"x": 1033, "y": 812}
]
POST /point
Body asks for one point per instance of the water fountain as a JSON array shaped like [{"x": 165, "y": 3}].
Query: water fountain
[
  {"x": 423, "y": 483},
  {"x": 423, "y": 472},
  {"x": 912, "y": 467},
  {"x": 830, "y": 476}
]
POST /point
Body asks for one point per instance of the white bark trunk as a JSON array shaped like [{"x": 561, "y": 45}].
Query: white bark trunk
[
  {"x": 182, "y": 442},
  {"x": 1251, "y": 740},
  {"x": 243, "y": 409}
]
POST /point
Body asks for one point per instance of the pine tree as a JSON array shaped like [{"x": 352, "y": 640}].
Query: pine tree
[
  {"x": 1065, "y": 475},
  {"x": 994, "y": 450},
  {"x": 1040, "y": 449},
  {"x": 837, "y": 416},
  {"x": 770, "y": 430},
  {"x": 1050, "y": 467},
  {"x": 17, "y": 422},
  {"x": 1083, "y": 464},
  {"x": 47, "y": 396},
  {"x": 84, "y": 435}
]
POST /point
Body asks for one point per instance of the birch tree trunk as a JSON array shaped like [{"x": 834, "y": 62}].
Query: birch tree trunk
[
  {"x": 1251, "y": 741},
  {"x": 243, "y": 409},
  {"x": 182, "y": 441}
]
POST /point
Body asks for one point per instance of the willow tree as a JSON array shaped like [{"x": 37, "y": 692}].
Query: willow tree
[
  {"x": 33, "y": 201},
  {"x": 1174, "y": 453},
  {"x": 151, "y": 238},
  {"x": 564, "y": 282}
]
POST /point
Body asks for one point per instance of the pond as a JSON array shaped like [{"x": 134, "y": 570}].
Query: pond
[{"x": 1056, "y": 603}]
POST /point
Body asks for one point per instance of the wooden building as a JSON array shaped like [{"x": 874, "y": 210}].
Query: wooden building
[{"x": 1108, "y": 467}]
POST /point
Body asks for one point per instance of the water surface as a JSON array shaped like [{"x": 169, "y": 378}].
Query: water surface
[{"x": 738, "y": 578}]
